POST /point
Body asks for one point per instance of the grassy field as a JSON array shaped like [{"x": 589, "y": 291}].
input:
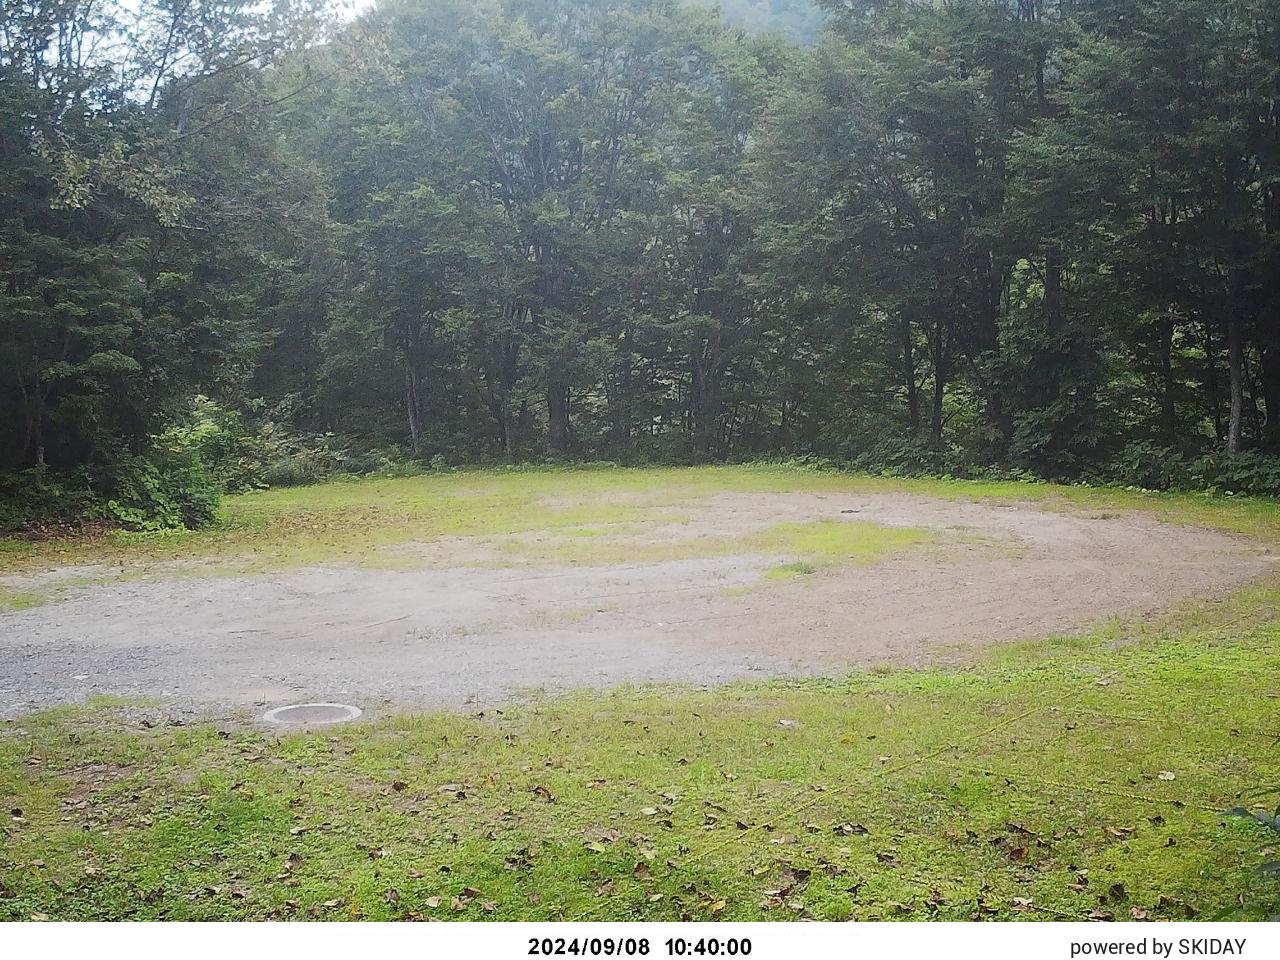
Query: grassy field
[{"x": 1071, "y": 778}]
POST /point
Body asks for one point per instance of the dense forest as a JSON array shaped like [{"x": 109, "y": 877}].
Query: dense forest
[{"x": 244, "y": 243}]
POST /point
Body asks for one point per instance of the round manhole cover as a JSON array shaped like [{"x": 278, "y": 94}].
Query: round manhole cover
[{"x": 312, "y": 713}]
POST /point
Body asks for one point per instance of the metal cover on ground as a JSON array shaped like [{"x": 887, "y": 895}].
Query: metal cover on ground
[{"x": 312, "y": 713}]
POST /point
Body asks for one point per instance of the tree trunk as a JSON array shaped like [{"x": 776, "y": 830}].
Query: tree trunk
[
  {"x": 38, "y": 432},
  {"x": 939, "y": 349},
  {"x": 1211, "y": 383},
  {"x": 1168, "y": 414},
  {"x": 1271, "y": 393},
  {"x": 1235, "y": 367},
  {"x": 558, "y": 437},
  {"x": 909, "y": 375},
  {"x": 704, "y": 400},
  {"x": 1053, "y": 312},
  {"x": 37, "y": 422},
  {"x": 412, "y": 406},
  {"x": 622, "y": 404},
  {"x": 988, "y": 359}
]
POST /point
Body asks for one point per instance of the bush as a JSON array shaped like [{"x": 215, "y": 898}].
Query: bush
[
  {"x": 915, "y": 458},
  {"x": 900, "y": 458},
  {"x": 233, "y": 455},
  {"x": 165, "y": 490},
  {"x": 292, "y": 461},
  {"x": 1146, "y": 465},
  {"x": 1249, "y": 474},
  {"x": 37, "y": 497},
  {"x": 169, "y": 490},
  {"x": 1154, "y": 467},
  {"x": 240, "y": 456}
]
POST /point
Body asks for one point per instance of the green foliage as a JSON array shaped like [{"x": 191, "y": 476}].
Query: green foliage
[
  {"x": 291, "y": 461},
  {"x": 1147, "y": 466},
  {"x": 169, "y": 490},
  {"x": 37, "y": 497},
  {"x": 1153, "y": 467},
  {"x": 1246, "y": 474},
  {"x": 232, "y": 454},
  {"x": 969, "y": 239}
]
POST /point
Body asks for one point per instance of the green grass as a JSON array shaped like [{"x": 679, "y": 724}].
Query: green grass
[
  {"x": 21, "y": 599},
  {"x": 1061, "y": 779},
  {"x": 819, "y": 543}
]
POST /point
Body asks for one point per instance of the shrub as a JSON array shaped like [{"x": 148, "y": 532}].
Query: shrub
[
  {"x": 1146, "y": 465},
  {"x": 242, "y": 456},
  {"x": 901, "y": 458},
  {"x": 233, "y": 455},
  {"x": 165, "y": 490},
  {"x": 38, "y": 497},
  {"x": 168, "y": 490},
  {"x": 291, "y": 460},
  {"x": 1251, "y": 474}
]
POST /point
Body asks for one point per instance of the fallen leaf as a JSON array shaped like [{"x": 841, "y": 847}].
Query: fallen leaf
[{"x": 851, "y": 829}]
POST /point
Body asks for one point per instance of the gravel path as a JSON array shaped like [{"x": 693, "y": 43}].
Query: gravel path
[{"x": 467, "y": 636}]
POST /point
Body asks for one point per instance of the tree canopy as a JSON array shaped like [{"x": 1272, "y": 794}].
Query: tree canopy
[{"x": 1034, "y": 236}]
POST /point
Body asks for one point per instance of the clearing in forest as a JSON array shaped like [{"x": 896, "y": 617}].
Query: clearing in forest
[{"x": 474, "y": 588}]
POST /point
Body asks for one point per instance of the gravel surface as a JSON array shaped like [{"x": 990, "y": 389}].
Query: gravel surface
[{"x": 467, "y": 636}]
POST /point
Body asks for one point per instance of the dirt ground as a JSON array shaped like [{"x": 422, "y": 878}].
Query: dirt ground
[{"x": 457, "y": 632}]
